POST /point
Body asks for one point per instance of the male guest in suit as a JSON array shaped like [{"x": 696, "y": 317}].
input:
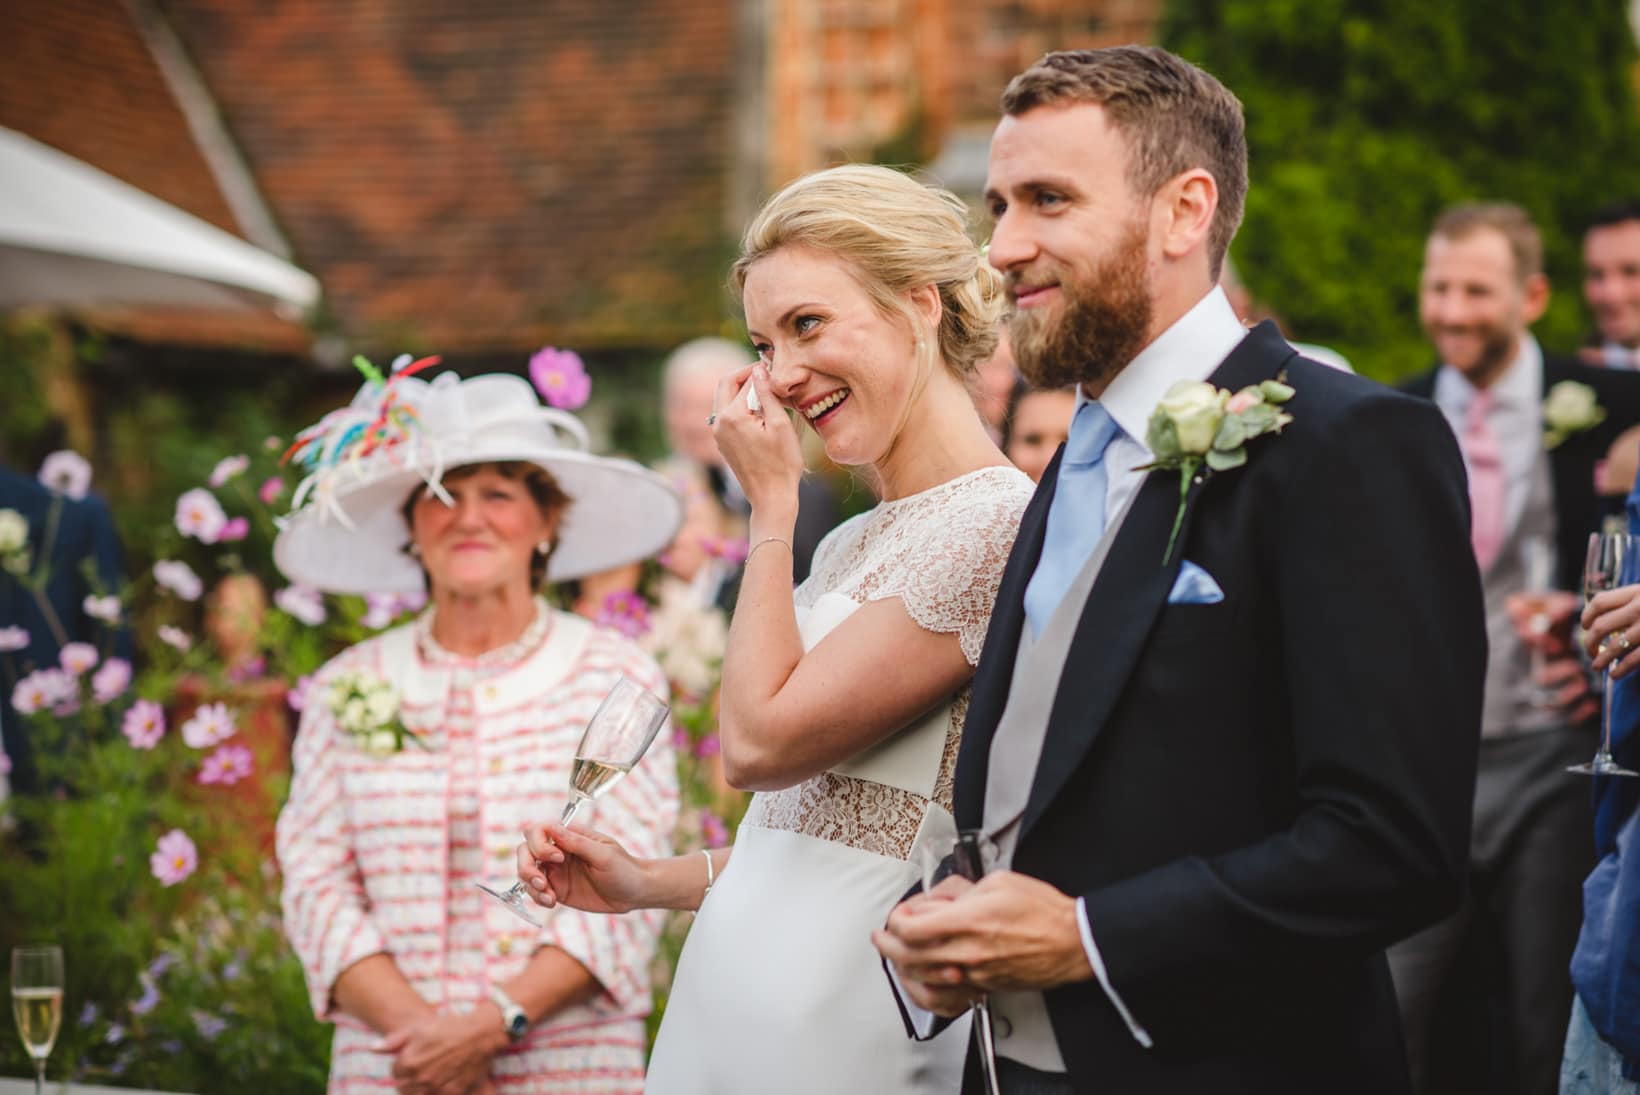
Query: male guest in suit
[
  {"x": 1611, "y": 285},
  {"x": 1531, "y": 493},
  {"x": 1225, "y": 768}
]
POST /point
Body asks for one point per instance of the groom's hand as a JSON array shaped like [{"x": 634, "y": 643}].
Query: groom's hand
[{"x": 1008, "y": 932}]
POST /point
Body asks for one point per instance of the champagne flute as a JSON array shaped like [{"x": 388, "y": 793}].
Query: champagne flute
[
  {"x": 37, "y": 1002},
  {"x": 972, "y": 855},
  {"x": 1612, "y": 561},
  {"x": 617, "y": 737},
  {"x": 1537, "y": 564}
]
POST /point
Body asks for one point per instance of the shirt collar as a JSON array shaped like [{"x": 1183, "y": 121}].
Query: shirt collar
[
  {"x": 1520, "y": 386},
  {"x": 1196, "y": 344}
]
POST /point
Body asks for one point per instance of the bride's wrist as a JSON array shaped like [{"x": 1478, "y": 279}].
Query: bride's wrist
[{"x": 776, "y": 523}]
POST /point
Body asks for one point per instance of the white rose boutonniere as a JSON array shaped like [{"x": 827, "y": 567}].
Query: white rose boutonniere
[
  {"x": 1570, "y": 408},
  {"x": 367, "y": 710},
  {"x": 1198, "y": 429}
]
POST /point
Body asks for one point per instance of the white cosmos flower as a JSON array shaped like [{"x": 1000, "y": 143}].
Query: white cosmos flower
[{"x": 67, "y": 473}]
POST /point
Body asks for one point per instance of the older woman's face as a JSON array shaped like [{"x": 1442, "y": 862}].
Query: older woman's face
[{"x": 484, "y": 541}]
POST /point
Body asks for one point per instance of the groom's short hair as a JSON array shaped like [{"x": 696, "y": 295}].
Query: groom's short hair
[{"x": 1174, "y": 117}]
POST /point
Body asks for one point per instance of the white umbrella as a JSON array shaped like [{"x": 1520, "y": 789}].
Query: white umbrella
[{"x": 74, "y": 236}]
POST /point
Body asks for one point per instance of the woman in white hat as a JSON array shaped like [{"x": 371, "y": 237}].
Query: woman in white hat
[
  {"x": 871, "y": 310},
  {"x": 421, "y": 751}
]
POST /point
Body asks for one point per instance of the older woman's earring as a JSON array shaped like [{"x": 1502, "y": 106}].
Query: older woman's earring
[
  {"x": 544, "y": 547},
  {"x": 412, "y": 549}
]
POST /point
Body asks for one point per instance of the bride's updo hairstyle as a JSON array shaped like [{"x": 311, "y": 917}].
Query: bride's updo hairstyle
[{"x": 897, "y": 235}]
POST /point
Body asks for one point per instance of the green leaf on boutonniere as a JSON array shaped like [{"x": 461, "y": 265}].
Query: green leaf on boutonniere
[{"x": 1225, "y": 461}]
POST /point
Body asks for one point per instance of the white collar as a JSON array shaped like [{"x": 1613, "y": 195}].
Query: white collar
[{"x": 1196, "y": 344}]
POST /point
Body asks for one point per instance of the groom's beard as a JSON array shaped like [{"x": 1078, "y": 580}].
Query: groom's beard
[{"x": 1102, "y": 323}]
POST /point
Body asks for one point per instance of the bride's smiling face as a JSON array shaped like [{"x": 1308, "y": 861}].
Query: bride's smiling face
[{"x": 840, "y": 362}]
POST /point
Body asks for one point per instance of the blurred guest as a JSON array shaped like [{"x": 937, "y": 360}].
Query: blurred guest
[
  {"x": 70, "y": 542},
  {"x": 690, "y": 377},
  {"x": 994, "y": 387},
  {"x": 1532, "y": 495},
  {"x": 422, "y": 750},
  {"x": 1611, "y": 285},
  {"x": 1038, "y": 422}
]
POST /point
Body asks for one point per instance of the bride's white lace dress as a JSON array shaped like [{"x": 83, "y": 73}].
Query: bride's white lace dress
[{"x": 778, "y": 988}]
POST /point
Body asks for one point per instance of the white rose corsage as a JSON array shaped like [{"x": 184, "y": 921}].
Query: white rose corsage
[
  {"x": 1198, "y": 429},
  {"x": 1569, "y": 408},
  {"x": 367, "y": 710}
]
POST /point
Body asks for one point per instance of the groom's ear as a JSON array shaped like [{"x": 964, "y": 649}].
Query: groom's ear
[{"x": 1183, "y": 213}]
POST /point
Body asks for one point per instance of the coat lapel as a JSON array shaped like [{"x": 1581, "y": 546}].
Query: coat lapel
[{"x": 1130, "y": 591}]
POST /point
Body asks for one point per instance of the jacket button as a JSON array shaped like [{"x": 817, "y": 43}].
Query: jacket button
[
  {"x": 496, "y": 765},
  {"x": 1003, "y": 1027},
  {"x": 491, "y": 692},
  {"x": 503, "y": 946},
  {"x": 502, "y": 851}
]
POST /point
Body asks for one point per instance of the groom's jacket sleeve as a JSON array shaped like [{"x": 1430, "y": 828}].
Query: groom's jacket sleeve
[{"x": 1377, "y": 635}]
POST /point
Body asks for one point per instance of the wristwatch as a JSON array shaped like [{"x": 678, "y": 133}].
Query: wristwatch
[{"x": 513, "y": 1019}]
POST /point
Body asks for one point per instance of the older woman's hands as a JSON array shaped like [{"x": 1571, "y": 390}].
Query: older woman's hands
[
  {"x": 580, "y": 868},
  {"x": 761, "y": 447},
  {"x": 446, "y": 1054},
  {"x": 1611, "y": 623}
]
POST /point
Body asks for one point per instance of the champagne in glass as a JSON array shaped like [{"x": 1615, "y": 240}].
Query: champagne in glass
[
  {"x": 37, "y": 1002},
  {"x": 1613, "y": 560},
  {"x": 619, "y": 734},
  {"x": 1537, "y": 564}
]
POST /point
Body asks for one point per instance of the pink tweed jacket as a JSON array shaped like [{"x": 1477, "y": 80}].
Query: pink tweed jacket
[{"x": 365, "y": 847}]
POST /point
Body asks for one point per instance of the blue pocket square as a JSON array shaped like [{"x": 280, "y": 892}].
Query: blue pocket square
[{"x": 1194, "y": 586}]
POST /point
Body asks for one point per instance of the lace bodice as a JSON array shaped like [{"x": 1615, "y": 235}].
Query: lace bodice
[{"x": 941, "y": 551}]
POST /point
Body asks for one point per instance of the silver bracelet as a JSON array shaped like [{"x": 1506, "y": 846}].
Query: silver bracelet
[
  {"x": 711, "y": 874},
  {"x": 769, "y": 540}
]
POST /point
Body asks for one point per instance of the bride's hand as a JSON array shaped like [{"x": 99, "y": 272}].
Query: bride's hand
[
  {"x": 760, "y": 446},
  {"x": 579, "y": 868}
]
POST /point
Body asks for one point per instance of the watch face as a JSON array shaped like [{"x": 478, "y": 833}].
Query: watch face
[{"x": 517, "y": 1025}]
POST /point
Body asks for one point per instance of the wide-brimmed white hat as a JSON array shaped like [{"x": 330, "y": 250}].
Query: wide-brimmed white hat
[{"x": 346, "y": 529}]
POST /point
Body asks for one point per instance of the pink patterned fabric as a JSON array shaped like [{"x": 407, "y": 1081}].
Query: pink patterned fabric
[
  {"x": 1487, "y": 486},
  {"x": 380, "y": 855}
]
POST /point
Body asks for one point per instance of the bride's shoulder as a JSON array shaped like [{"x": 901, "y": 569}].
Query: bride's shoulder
[{"x": 990, "y": 500}]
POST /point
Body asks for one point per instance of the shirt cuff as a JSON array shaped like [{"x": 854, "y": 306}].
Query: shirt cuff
[
  {"x": 1091, "y": 949},
  {"x": 922, "y": 1021}
]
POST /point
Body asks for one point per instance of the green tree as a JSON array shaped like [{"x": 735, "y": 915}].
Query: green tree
[{"x": 1366, "y": 117}]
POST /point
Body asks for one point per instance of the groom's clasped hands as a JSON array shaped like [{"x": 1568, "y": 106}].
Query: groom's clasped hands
[{"x": 961, "y": 940}]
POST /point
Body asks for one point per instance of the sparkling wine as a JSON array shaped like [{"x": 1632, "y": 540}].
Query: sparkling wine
[
  {"x": 591, "y": 778},
  {"x": 39, "y": 1012}
]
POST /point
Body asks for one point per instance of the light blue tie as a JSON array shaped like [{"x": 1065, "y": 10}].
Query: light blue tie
[{"x": 1076, "y": 519}]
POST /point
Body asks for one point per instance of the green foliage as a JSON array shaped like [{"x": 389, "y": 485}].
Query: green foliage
[{"x": 1366, "y": 117}]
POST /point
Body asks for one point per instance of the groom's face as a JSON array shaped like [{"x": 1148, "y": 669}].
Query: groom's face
[{"x": 1073, "y": 240}]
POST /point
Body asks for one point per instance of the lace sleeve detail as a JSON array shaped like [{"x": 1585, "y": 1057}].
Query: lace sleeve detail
[{"x": 946, "y": 562}]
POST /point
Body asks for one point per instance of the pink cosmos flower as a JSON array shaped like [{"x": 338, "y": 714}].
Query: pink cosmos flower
[
  {"x": 712, "y": 827},
  {"x": 380, "y": 610},
  {"x": 12, "y": 639},
  {"x": 307, "y": 605},
  {"x": 236, "y": 529},
  {"x": 111, "y": 680},
  {"x": 626, "y": 612},
  {"x": 76, "y": 658},
  {"x": 106, "y": 609},
  {"x": 210, "y": 725},
  {"x": 270, "y": 490},
  {"x": 227, "y": 468},
  {"x": 228, "y": 765},
  {"x": 561, "y": 378},
  {"x": 174, "y": 858},
  {"x": 709, "y": 746},
  {"x": 200, "y": 515},
  {"x": 43, "y": 689},
  {"x": 66, "y": 472},
  {"x": 176, "y": 638},
  {"x": 179, "y": 578},
  {"x": 144, "y": 724},
  {"x": 731, "y": 549},
  {"x": 272, "y": 443}
]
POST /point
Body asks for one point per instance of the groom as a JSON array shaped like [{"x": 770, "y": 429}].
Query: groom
[{"x": 1224, "y": 770}]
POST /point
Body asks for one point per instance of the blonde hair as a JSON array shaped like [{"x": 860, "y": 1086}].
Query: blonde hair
[{"x": 898, "y": 235}]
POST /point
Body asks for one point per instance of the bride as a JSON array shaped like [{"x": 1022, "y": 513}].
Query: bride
[{"x": 869, "y": 308}]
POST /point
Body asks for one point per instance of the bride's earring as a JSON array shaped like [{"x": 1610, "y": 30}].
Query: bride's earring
[{"x": 544, "y": 547}]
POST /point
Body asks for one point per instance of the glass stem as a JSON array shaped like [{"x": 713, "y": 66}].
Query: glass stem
[
  {"x": 570, "y": 809},
  {"x": 39, "y": 1075},
  {"x": 1606, "y": 717}
]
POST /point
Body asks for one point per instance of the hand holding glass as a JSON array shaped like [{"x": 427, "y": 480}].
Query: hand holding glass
[
  {"x": 616, "y": 739},
  {"x": 1613, "y": 560},
  {"x": 972, "y": 855},
  {"x": 37, "y": 1002}
]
